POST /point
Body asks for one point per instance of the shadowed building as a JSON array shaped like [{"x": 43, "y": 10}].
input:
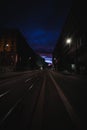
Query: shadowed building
[
  {"x": 70, "y": 52},
  {"x": 15, "y": 53}
]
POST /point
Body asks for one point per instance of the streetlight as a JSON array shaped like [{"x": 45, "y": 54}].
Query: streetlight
[
  {"x": 68, "y": 41},
  {"x": 7, "y": 45}
]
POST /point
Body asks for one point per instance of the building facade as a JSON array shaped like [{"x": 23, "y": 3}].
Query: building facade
[
  {"x": 15, "y": 53},
  {"x": 70, "y": 52}
]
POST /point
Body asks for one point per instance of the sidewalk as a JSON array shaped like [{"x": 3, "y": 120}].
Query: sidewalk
[
  {"x": 67, "y": 73},
  {"x": 7, "y": 75}
]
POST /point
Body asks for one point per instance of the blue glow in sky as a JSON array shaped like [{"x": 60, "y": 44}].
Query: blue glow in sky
[
  {"x": 47, "y": 59},
  {"x": 40, "y": 21}
]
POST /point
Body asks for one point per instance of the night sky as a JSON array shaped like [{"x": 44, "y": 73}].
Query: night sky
[{"x": 40, "y": 21}]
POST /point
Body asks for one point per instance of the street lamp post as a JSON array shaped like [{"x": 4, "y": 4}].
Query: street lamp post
[{"x": 69, "y": 42}]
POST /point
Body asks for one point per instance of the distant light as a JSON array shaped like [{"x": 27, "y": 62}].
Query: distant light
[
  {"x": 68, "y": 41},
  {"x": 54, "y": 58},
  {"x": 41, "y": 68},
  {"x": 29, "y": 58},
  {"x": 7, "y": 45},
  {"x": 49, "y": 64},
  {"x": 73, "y": 66}
]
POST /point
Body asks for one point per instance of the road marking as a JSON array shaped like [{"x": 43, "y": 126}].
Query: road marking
[
  {"x": 10, "y": 111},
  {"x": 67, "y": 105},
  {"x": 3, "y": 94},
  {"x": 27, "y": 80},
  {"x": 38, "y": 113},
  {"x": 30, "y": 87},
  {"x": 14, "y": 106}
]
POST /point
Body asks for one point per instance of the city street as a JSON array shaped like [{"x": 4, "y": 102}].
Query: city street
[{"x": 43, "y": 100}]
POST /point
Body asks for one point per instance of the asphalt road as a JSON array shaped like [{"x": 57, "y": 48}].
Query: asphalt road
[{"x": 43, "y": 100}]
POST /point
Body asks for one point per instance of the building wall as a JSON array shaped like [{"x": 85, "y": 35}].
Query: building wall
[
  {"x": 8, "y": 50},
  {"x": 15, "y": 51},
  {"x": 73, "y": 56}
]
